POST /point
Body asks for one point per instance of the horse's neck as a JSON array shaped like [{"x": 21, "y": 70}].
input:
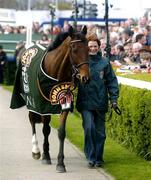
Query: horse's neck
[{"x": 57, "y": 62}]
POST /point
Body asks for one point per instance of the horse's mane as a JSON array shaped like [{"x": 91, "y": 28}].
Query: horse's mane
[
  {"x": 61, "y": 51},
  {"x": 57, "y": 41},
  {"x": 65, "y": 44}
]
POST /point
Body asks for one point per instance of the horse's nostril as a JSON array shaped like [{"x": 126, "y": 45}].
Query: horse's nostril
[
  {"x": 84, "y": 79},
  {"x": 78, "y": 76}
]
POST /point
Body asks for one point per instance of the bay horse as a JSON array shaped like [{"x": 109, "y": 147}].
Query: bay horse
[{"x": 69, "y": 59}]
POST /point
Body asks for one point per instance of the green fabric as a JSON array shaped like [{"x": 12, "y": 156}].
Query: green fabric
[
  {"x": 102, "y": 86},
  {"x": 26, "y": 77}
]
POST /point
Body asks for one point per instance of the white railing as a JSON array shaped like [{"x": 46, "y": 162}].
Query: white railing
[{"x": 134, "y": 83}]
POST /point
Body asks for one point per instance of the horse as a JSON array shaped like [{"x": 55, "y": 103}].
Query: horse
[{"x": 65, "y": 63}]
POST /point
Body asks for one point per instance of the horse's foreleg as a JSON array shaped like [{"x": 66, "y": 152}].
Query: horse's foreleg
[
  {"x": 61, "y": 135},
  {"x": 46, "y": 131},
  {"x": 35, "y": 149}
]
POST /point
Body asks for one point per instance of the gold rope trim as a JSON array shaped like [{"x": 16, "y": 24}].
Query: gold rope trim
[{"x": 41, "y": 91}]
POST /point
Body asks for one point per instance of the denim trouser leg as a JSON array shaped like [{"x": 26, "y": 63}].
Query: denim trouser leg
[
  {"x": 89, "y": 135},
  {"x": 94, "y": 131},
  {"x": 100, "y": 135}
]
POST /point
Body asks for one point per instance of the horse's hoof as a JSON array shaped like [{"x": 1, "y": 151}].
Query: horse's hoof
[
  {"x": 46, "y": 159},
  {"x": 36, "y": 155},
  {"x": 61, "y": 169}
]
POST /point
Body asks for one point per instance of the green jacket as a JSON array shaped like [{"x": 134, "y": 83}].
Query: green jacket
[{"x": 103, "y": 86}]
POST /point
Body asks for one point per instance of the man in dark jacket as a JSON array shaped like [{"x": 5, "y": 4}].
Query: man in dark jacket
[
  {"x": 3, "y": 59},
  {"x": 92, "y": 103}
]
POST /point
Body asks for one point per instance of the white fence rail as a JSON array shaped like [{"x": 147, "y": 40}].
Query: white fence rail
[{"x": 134, "y": 83}]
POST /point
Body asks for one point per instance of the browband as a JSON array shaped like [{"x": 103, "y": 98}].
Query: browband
[{"x": 78, "y": 40}]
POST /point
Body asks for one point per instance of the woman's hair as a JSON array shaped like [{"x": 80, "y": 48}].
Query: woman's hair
[{"x": 93, "y": 37}]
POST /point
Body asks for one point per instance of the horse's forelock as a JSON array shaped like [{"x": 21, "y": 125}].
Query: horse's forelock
[{"x": 79, "y": 36}]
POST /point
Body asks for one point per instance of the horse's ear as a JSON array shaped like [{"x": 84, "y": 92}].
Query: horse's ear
[
  {"x": 71, "y": 31},
  {"x": 84, "y": 30}
]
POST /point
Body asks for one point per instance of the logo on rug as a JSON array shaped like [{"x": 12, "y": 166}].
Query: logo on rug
[
  {"x": 62, "y": 94},
  {"x": 28, "y": 55}
]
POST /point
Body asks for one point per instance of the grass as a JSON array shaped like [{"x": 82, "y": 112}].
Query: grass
[
  {"x": 9, "y": 88},
  {"x": 119, "y": 162}
]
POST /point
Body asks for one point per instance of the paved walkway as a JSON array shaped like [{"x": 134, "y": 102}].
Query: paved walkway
[{"x": 16, "y": 162}]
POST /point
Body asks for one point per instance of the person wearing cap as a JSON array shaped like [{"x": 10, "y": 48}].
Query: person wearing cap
[
  {"x": 92, "y": 102},
  {"x": 3, "y": 58}
]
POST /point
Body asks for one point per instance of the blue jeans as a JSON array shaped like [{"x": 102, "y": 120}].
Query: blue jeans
[{"x": 94, "y": 135}]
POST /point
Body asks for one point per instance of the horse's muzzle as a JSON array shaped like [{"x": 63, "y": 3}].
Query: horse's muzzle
[{"x": 83, "y": 79}]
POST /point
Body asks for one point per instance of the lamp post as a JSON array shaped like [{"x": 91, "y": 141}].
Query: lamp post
[
  {"x": 84, "y": 6},
  {"x": 106, "y": 16},
  {"x": 76, "y": 13},
  {"x": 57, "y": 9},
  {"x": 52, "y": 13}
]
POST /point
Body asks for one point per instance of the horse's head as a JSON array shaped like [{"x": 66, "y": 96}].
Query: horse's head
[{"x": 79, "y": 53}]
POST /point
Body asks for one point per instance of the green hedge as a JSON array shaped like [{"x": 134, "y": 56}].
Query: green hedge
[{"x": 133, "y": 128}]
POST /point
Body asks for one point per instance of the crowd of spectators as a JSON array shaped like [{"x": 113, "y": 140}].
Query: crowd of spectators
[
  {"x": 36, "y": 28},
  {"x": 130, "y": 40},
  {"x": 45, "y": 31}
]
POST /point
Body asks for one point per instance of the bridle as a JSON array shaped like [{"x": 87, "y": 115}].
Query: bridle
[{"x": 77, "y": 66}]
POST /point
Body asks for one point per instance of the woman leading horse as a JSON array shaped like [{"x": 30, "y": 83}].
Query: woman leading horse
[{"x": 41, "y": 68}]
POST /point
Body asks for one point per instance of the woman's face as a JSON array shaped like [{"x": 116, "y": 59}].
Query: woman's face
[{"x": 93, "y": 47}]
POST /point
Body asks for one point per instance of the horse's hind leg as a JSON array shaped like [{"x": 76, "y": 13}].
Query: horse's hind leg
[
  {"x": 35, "y": 149},
  {"x": 46, "y": 131},
  {"x": 61, "y": 135}
]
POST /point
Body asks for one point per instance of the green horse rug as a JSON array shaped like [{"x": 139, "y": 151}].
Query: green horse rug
[{"x": 36, "y": 90}]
